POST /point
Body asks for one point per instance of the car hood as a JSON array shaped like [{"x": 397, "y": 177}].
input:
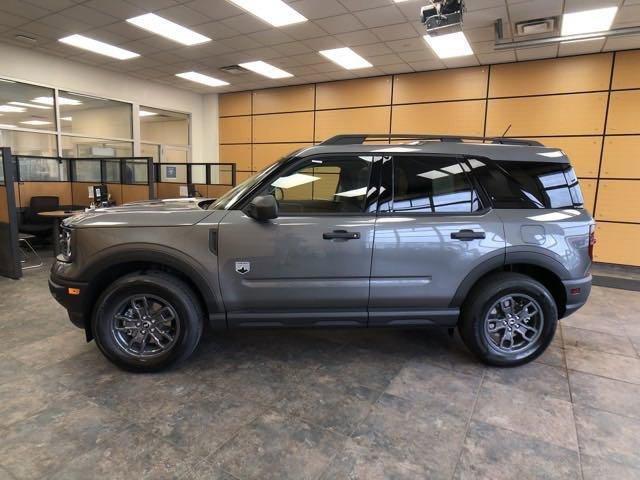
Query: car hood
[{"x": 148, "y": 213}]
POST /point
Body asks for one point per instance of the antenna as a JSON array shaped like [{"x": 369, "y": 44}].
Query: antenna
[{"x": 505, "y": 132}]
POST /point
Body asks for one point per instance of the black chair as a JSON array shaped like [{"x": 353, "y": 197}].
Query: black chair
[{"x": 35, "y": 224}]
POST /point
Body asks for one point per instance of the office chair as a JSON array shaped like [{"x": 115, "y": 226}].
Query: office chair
[{"x": 34, "y": 224}]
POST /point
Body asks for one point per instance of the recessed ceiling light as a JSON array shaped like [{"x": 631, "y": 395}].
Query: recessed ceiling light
[
  {"x": 6, "y": 125},
  {"x": 450, "y": 45},
  {"x": 12, "y": 109},
  {"x": 346, "y": 58},
  {"x": 266, "y": 69},
  {"x": 144, "y": 113},
  {"x": 275, "y": 12},
  {"x": 35, "y": 122},
  {"x": 200, "y": 78},
  {"x": 166, "y": 28},
  {"x": 30, "y": 105},
  {"x": 96, "y": 46},
  {"x": 61, "y": 101},
  {"x": 587, "y": 21}
]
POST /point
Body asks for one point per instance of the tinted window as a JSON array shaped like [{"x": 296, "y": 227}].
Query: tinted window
[
  {"x": 427, "y": 185},
  {"x": 529, "y": 184},
  {"x": 324, "y": 185}
]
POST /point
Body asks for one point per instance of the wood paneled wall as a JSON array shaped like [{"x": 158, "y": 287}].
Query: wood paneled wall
[{"x": 587, "y": 105}]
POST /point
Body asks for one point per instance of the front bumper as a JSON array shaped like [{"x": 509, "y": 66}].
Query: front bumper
[
  {"x": 71, "y": 295},
  {"x": 577, "y": 293}
]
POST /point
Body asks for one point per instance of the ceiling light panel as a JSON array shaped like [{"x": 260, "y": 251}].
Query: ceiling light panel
[
  {"x": 7, "y": 125},
  {"x": 12, "y": 109},
  {"x": 588, "y": 21},
  {"x": 203, "y": 79},
  {"x": 96, "y": 46},
  {"x": 275, "y": 12},
  {"x": 167, "y": 29},
  {"x": 30, "y": 105},
  {"x": 265, "y": 69},
  {"x": 346, "y": 58},
  {"x": 144, "y": 113},
  {"x": 61, "y": 101},
  {"x": 35, "y": 122},
  {"x": 450, "y": 45}
]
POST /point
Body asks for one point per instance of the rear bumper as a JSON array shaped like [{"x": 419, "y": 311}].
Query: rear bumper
[
  {"x": 75, "y": 303},
  {"x": 577, "y": 293}
]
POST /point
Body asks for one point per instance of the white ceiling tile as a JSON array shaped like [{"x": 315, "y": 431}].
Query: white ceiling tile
[
  {"x": 394, "y": 32},
  {"x": 116, "y": 8},
  {"x": 427, "y": 65},
  {"x": 241, "y": 42},
  {"x": 396, "y": 68},
  {"x": 38, "y": 30},
  {"x": 245, "y": 23},
  {"x": 548, "y": 51},
  {"x": 301, "y": 70},
  {"x": 123, "y": 29},
  {"x": 532, "y": 9},
  {"x": 622, "y": 43},
  {"x": 165, "y": 57},
  {"x": 274, "y": 36},
  {"x": 628, "y": 15},
  {"x": 12, "y": 20},
  {"x": 293, "y": 48},
  {"x": 303, "y": 31},
  {"x": 215, "y": 9},
  {"x": 459, "y": 62},
  {"x": 316, "y": 77},
  {"x": 406, "y": 45},
  {"x": 580, "y": 48},
  {"x": 323, "y": 43},
  {"x": 484, "y": 18},
  {"x": 215, "y": 30},
  {"x": 355, "y": 5},
  {"x": 417, "y": 55},
  {"x": 308, "y": 58},
  {"x": 340, "y": 24},
  {"x": 411, "y": 9},
  {"x": 382, "y": 60},
  {"x": 340, "y": 75},
  {"x": 483, "y": 47},
  {"x": 22, "y": 9},
  {"x": 483, "y": 34},
  {"x": 502, "y": 56},
  {"x": 379, "y": 17},
  {"x": 183, "y": 15},
  {"x": 361, "y": 37},
  {"x": 580, "y": 5},
  {"x": 312, "y": 9},
  {"x": 326, "y": 67},
  {"x": 372, "y": 49},
  {"x": 89, "y": 16},
  {"x": 263, "y": 53},
  {"x": 472, "y": 5},
  {"x": 52, "y": 5},
  {"x": 152, "y": 5}
]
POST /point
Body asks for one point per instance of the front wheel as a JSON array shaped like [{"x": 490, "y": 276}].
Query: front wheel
[
  {"x": 509, "y": 320},
  {"x": 146, "y": 322}
]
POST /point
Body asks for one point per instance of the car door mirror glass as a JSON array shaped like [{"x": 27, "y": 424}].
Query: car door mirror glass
[{"x": 263, "y": 208}]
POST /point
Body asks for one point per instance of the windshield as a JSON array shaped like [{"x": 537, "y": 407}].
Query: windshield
[{"x": 229, "y": 198}]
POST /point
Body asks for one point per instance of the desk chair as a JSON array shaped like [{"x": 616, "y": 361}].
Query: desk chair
[{"x": 34, "y": 224}]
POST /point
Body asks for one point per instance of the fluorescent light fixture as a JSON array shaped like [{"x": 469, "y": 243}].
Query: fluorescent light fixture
[
  {"x": 66, "y": 119},
  {"x": 275, "y": 12},
  {"x": 579, "y": 40},
  {"x": 167, "y": 29},
  {"x": 30, "y": 105},
  {"x": 200, "y": 78},
  {"x": 144, "y": 113},
  {"x": 12, "y": 109},
  {"x": 265, "y": 69},
  {"x": 587, "y": 21},
  {"x": 353, "y": 193},
  {"x": 454, "y": 169},
  {"x": 96, "y": 46},
  {"x": 433, "y": 174},
  {"x": 450, "y": 45},
  {"x": 61, "y": 101},
  {"x": 346, "y": 58},
  {"x": 6, "y": 125},
  {"x": 294, "y": 180},
  {"x": 35, "y": 122}
]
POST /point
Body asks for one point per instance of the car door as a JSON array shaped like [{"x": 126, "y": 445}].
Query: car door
[
  {"x": 311, "y": 264},
  {"x": 432, "y": 230}
]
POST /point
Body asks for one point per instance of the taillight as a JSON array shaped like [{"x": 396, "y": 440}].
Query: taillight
[{"x": 592, "y": 240}]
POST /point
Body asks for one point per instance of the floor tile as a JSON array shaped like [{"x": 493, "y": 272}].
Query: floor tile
[
  {"x": 602, "y": 342},
  {"x": 545, "y": 418},
  {"x": 493, "y": 453},
  {"x": 605, "y": 394},
  {"x": 608, "y": 436},
  {"x": 599, "y": 469},
  {"x": 533, "y": 377},
  {"x": 554, "y": 356},
  {"x": 608, "y": 365},
  {"x": 276, "y": 446},
  {"x": 53, "y": 349}
]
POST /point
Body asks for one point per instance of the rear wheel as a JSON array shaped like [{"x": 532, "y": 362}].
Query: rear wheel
[
  {"x": 509, "y": 320},
  {"x": 146, "y": 322}
]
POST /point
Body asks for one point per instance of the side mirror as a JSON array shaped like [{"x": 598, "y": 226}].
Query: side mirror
[{"x": 263, "y": 208}]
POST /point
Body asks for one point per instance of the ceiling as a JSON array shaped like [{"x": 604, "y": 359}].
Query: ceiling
[{"x": 387, "y": 34}]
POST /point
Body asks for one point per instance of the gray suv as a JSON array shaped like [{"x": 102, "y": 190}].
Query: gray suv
[{"x": 487, "y": 235}]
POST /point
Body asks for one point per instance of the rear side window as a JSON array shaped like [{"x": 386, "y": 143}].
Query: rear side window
[
  {"x": 427, "y": 185},
  {"x": 529, "y": 184}
]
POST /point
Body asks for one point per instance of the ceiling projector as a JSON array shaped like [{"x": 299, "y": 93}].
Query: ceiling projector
[{"x": 442, "y": 16}]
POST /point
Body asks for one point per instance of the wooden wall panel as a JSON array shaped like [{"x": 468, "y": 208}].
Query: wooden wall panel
[
  {"x": 168, "y": 190},
  {"x": 447, "y": 118},
  {"x": 584, "y": 152},
  {"x": 557, "y": 115},
  {"x": 283, "y": 127},
  {"x": 586, "y": 73},
  {"x": 62, "y": 190},
  {"x": 235, "y": 129},
  {"x": 240, "y": 177},
  {"x": 215, "y": 191},
  {"x": 617, "y": 243},
  {"x": 361, "y": 92},
  {"x": 441, "y": 85},
  {"x": 614, "y": 201},
  {"x": 115, "y": 189},
  {"x": 267, "y": 153},
  {"x": 4, "y": 207},
  {"x": 352, "y": 120},
  {"x": 133, "y": 193},
  {"x": 624, "y": 112},
  {"x": 588, "y": 188},
  {"x": 231, "y": 104},
  {"x": 80, "y": 193},
  {"x": 626, "y": 72},
  {"x": 284, "y": 99},
  {"x": 238, "y": 154},
  {"x": 621, "y": 157}
]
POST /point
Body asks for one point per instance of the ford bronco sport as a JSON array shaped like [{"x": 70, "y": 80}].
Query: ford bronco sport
[{"x": 488, "y": 235}]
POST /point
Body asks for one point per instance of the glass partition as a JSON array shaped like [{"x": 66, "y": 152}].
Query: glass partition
[
  {"x": 95, "y": 147},
  {"x": 173, "y": 173},
  {"x": 111, "y": 171},
  {"x": 150, "y": 150},
  {"x": 26, "y": 106},
  {"x": 163, "y": 126},
  {"x": 39, "y": 169},
  {"x": 222, "y": 174},
  {"x": 86, "y": 171},
  {"x": 136, "y": 171},
  {"x": 198, "y": 173},
  {"x": 94, "y": 116},
  {"x": 28, "y": 143}
]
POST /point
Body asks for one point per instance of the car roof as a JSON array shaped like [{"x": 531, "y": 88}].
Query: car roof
[{"x": 492, "y": 151}]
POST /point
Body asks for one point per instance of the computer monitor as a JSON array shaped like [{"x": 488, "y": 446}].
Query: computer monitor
[{"x": 100, "y": 195}]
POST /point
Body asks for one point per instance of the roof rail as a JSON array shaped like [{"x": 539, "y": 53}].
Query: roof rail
[{"x": 359, "y": 138}]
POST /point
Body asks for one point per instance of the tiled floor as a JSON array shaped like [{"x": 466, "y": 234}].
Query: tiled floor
[{"x": 319, "y": 404}]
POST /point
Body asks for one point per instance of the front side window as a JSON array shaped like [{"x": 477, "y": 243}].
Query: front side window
[
  {"x": 424, "y": 184},
  {"x": 324, "y": 186}
]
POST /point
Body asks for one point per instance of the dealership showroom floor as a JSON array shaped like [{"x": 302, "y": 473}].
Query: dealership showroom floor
[{"x": 319, "y": 404}]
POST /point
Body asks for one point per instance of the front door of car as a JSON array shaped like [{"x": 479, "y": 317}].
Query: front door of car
[
  {"x": 311, "y": 264},
  {"x": 432, "y": 230}
]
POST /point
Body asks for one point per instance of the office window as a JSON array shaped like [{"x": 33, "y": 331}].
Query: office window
[
  {"x": 29, "y": 143},
  {"x": 428, "y": 185},
  {"x": 26, "y": 106},
  {"x": 93, "y": 116},
  {"x": 80, "y": 147}
]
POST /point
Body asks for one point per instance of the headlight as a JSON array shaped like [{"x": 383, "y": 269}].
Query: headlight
[{"x": 64, "y": 243}]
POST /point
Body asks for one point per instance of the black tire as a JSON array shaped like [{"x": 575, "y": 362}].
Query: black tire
[
  {"x": 484, "y": 297},
  {"x": 160, "y": 287}
]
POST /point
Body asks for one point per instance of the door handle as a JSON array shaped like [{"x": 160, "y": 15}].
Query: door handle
[
  {"x": 341, "y": 234},
  {"x": 468, "y": 235}
]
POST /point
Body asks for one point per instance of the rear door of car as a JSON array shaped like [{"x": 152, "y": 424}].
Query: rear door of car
[{"x": 433, "y": 228}]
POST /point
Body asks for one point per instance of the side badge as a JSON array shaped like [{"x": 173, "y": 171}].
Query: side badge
[{"x": 243, "y": 267}]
